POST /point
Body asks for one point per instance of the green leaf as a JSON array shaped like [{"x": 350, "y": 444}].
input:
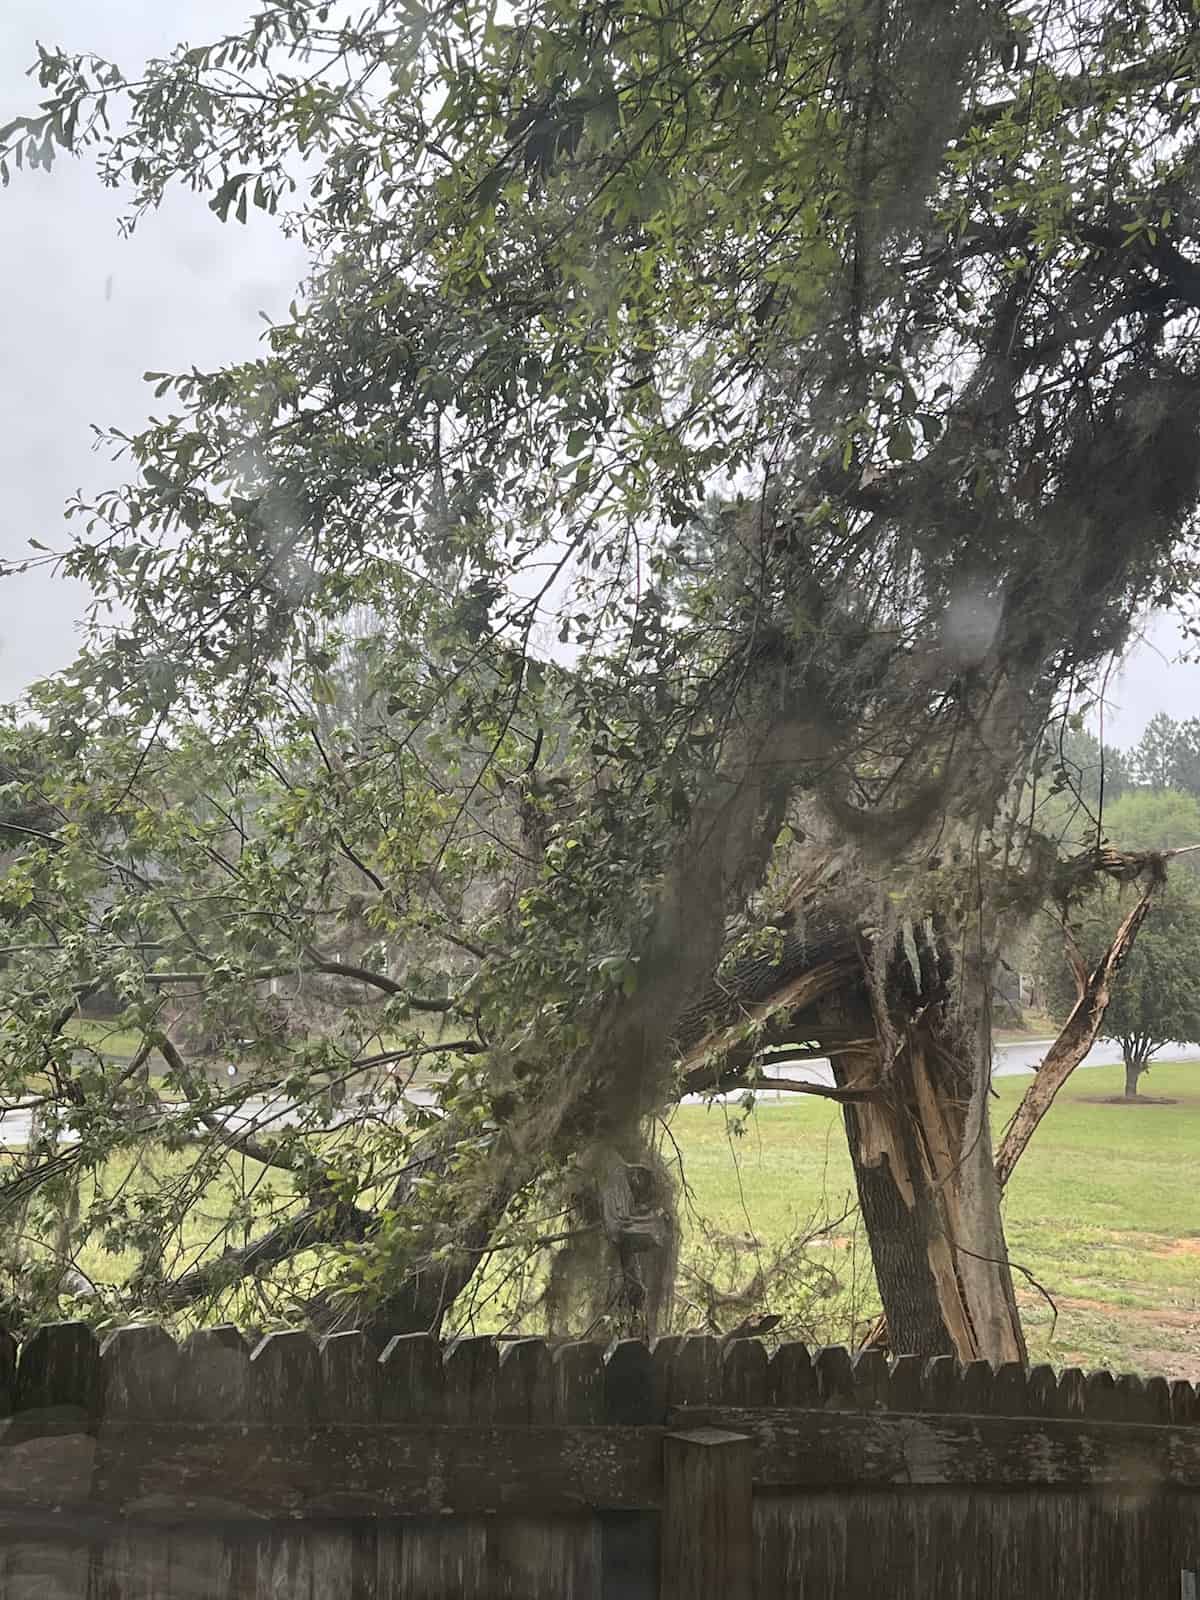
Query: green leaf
[
  {"x": 900, "y": 442},
  {"x": 490, "y": 187},
  {"x": 931, "y": 427}
]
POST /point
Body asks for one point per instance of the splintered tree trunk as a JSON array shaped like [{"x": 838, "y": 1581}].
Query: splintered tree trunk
[
  {"x": 922, "y": 1159},
  {"x": 908, "y": 1031},
  {"x": 905, "y": 1237}
]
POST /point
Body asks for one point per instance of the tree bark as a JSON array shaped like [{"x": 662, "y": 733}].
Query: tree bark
[
  {"x": 933, "y": 1227},
  {"x": 911, "y": 1056},
  {"x": 1135, "y": 1065}
]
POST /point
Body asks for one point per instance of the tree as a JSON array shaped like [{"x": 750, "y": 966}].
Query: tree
[
  {"x": 1168, "y": 756},
  {"x": 896, "y": 271},
  {"x": 1156, "y": 999},
  {"x": 1154, "y": 758},
  {"x": 1094, "y": 773},
  {"x": 1185, "y": 767}
]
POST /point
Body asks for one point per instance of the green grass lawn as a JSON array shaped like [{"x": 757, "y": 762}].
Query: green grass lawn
[
  {"x": 106, "y": 1037},
  {"x": 1103, "y": 1211}
]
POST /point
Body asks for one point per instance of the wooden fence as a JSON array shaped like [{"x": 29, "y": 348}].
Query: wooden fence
[{"x": 145, "y": 1471}]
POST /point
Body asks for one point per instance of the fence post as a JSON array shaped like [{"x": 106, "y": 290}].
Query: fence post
[
  {"x": 629, "y": 1540},
  {"x": 707, "y": 1522}
]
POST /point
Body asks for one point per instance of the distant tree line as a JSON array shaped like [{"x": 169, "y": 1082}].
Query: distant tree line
[{"x": 1166, "y": 757}]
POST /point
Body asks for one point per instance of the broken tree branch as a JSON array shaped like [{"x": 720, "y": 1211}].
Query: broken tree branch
[{"x": 1077, "y": 1037}]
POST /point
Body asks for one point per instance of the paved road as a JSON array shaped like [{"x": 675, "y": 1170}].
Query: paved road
[
  {"x": 1011, "y": 1059},
  {"x": 253, "y": 1115}
]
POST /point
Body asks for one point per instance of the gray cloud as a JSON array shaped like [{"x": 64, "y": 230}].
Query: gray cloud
[
  {"x": 1152, "y": 678},
  {"x": 85, "y": 312}
]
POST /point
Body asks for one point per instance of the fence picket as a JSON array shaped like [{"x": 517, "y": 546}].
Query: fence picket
[
  {"x": 708, "y": 1520},
  {"x": 138, "y": 1369},
  {"x": 975, "y": 1393},
  {"x": 791, "y": 1380},
  {"x": 940, "y": 1384},
  {"x": 1185, "y": 1410},
  {"x": 58, "y": 1376},
  {"x": 350, "y": 1378},
  {"x": 904, "y": 1383},
  {"x": 835, "y": 1378},
  {"x": 744, "y": 1373},
  {"x": 578, "y": 1374},
  {"x": 412, "y": 1380},
  {"x": 1100, "y": 1398},
  {"x": 1010, "y": 1390},
  {"x": 870, "y": 1380},
  {"x": 1042, "y": 1391},
  {"x": 629, "y": 1540},
  {"x": 1071, "y": 1400},
  {"x": 212, "y": 1377}
]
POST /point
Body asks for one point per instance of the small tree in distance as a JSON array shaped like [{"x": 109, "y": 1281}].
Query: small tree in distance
[
  {"x": 1168, "y": 756},
  {"x": 1156, "y": 995}
]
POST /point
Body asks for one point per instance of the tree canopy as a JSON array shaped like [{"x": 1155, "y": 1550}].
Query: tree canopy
[{"x": 747, "y": 425}]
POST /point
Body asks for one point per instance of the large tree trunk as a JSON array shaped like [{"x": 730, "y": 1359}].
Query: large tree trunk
[
  {"x": 927, "y": 1183},
  {"x": 909, "y": 1038},
  {"x": 930, "y": 1203}
]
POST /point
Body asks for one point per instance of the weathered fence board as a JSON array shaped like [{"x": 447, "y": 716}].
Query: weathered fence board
[
  {"x": 251, "y": 1470},
  {"x": 815, "y": 1450},
  {"x": 707, "y": 1539},
  {"x": 971, "y": 1545}
]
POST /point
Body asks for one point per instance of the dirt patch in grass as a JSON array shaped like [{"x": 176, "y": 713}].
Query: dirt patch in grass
[
  {"x": 1149, "y": 1358},
  {"x": 1179, "y": 1247},
  {"x": 1120, "y": 1100},
  {"x": 1167, "y": 1363},
  {"x": 1159, "y": 1317},
  {"x": 1096, "y": 1333}
]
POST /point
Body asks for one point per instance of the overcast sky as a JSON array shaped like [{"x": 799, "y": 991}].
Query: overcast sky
[{"x": 86, "y": 312}]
